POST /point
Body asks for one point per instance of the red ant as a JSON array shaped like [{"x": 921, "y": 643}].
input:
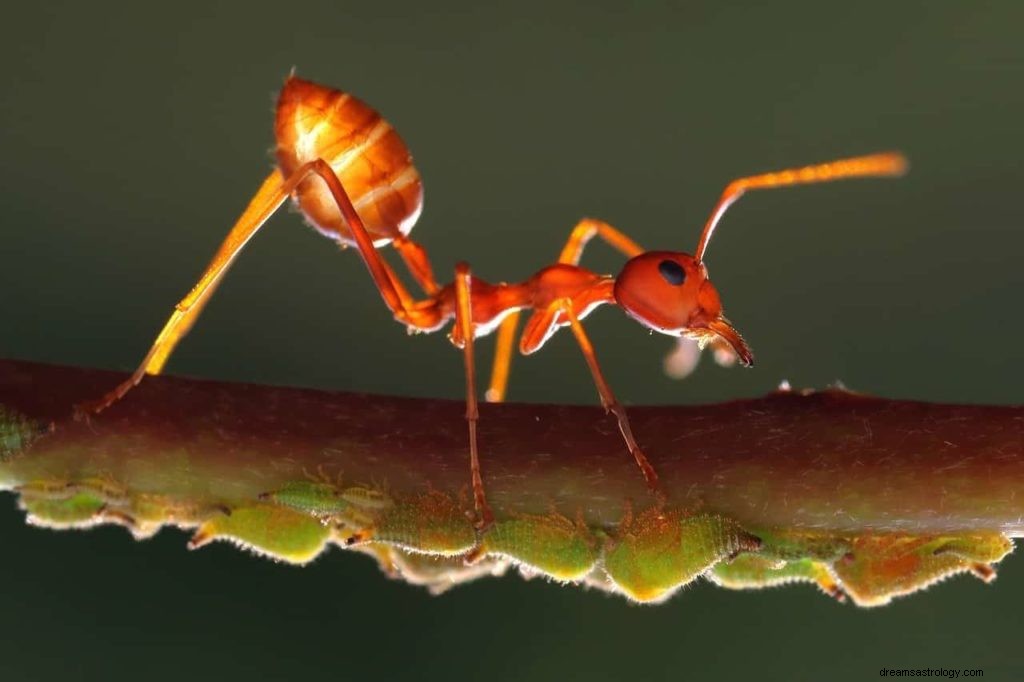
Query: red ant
[{"x": 353, "y": 178}]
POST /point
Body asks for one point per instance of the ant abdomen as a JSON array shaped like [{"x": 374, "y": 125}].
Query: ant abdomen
[{"x": 364, "y": 151}]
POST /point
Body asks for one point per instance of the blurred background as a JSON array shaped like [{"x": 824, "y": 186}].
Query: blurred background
[{"x": 133, "y": 135}]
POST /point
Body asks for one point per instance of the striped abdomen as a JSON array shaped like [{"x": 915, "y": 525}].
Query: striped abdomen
[{"x": 367, "y": 155}]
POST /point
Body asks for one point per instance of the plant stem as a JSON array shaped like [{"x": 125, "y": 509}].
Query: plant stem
[{"x": 824, "y": 464}]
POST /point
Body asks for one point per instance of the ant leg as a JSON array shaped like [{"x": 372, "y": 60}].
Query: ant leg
[
  {"x": 271, "y": 194},
  {"x": 418, "y": 264},
  {"x": 465, "y": 332},
  {"x": 268, "y": 198},
  {"x": 607, "y": 397},
  {"x": 502, "y": 358},
  {"x": 586, "y": 230},
  {"x": 394, "y": 295},
  {"x": 873, "y": 165}
]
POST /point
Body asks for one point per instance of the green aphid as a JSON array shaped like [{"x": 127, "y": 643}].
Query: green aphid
[
  {"x": 278, "y": 532},
  {"x": 17, "y": 432},
  {"x": 755, "y": 571},
  {"x": 78, "y": 510},
  {"x": 659, "y": 552},
  {"x": 318, "y": 499},
  {"x": 367, "y": 498},
  {"x": 47, "y": 488},
  {"x": 793, "y": 545},
  {"x": 880, "y": 567},
  {"x": 552, "y": 544},
  {"x": 437, "y": 573},
  {"x": 104, "y": 487},
  {"x": 432, "y": 523}
]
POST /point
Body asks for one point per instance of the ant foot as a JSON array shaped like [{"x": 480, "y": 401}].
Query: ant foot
[
  {"x": 83, "y": 412},
  {"x": 654, "y": 486},
  {"x": 484, "y": 521},
  {"x": 659, "y": 494},
  {"x": 481, "y": 525}
]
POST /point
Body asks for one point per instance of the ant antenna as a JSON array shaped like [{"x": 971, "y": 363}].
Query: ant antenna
[{"x": 884, "y": 164}]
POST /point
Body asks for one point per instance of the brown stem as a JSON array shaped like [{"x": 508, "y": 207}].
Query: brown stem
[{"x": 828, "y": 464}]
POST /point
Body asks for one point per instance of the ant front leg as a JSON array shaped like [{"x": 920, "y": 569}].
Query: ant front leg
[
  {"x": 611, "y": 404},
  {"x": 465, "y": 330},
  {"x": 587, "y": 229}
]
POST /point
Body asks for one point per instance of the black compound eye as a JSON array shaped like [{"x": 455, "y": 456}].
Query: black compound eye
[{"x": 672, "y": 271}]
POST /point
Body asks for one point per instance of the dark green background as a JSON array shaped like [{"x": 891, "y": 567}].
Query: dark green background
[{"x": 131, "y": 136}]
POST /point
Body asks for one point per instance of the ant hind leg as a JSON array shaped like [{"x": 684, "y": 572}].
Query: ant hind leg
[{"x": 267, "y": 199}]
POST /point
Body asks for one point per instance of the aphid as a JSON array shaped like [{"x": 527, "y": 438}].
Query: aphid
[{"x": 353, "y": 178}]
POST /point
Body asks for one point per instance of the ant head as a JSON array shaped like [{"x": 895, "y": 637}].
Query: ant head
[{"x": 669, "y": 292}]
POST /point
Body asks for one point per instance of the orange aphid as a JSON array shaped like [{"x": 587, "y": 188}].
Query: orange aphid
[{"x": 354, "y": 180}]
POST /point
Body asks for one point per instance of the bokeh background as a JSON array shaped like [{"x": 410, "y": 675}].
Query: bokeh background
[{"x": 132, "y": 135}]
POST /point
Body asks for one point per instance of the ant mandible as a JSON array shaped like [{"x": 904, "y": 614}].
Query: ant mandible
[{"x": 353, "y": 178}]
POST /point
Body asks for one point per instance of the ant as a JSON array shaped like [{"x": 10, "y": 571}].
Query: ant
[{"x": 353, "y": 178}]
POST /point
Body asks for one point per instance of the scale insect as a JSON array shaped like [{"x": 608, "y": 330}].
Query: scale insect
[{"x": 352, "y": 176}]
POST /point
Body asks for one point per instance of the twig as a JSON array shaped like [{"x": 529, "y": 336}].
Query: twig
[{"x": 863, "y": 496}]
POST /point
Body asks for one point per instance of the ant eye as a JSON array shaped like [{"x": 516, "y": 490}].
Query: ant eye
[{"x": 672, "y": 271}]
